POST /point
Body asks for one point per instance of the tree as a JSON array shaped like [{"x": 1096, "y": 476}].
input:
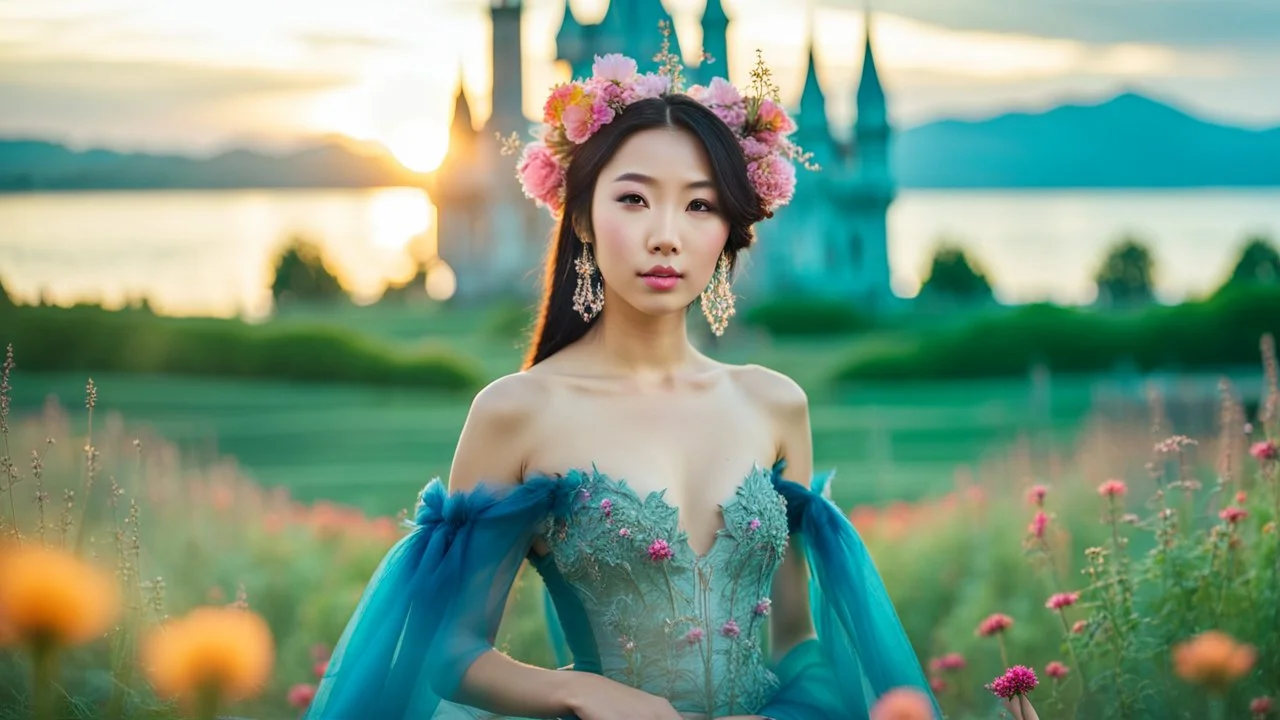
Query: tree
[
  {"x": 1259, "y": 264},
  {"x": 1125, "y": 277},
  {"x": 301, "y": 273},
  {"x": 954, "y": 276}
]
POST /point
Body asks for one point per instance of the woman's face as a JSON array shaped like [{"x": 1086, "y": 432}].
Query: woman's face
[{"x": 658, "y": 231}]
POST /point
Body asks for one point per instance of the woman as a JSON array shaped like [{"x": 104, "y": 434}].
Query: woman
[{"x": 641, "y": 479}]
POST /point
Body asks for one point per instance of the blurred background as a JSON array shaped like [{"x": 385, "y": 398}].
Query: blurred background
[{"x": 279, "y": 235}]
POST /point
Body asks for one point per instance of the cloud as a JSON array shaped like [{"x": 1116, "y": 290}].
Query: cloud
[{"x": 1182, "y": 23}]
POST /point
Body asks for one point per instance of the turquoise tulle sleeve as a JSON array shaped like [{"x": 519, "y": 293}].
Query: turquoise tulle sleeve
[
  {"x": 861, "y": 650},
  {"x": 434, "y": 604}
]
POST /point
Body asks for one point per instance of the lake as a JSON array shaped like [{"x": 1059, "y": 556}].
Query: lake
[{"x": 209, "y": 252}]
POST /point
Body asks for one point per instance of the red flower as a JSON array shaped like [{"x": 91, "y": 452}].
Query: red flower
[
  {"x": 1260, "y": 707},
  {"x": 995, "y": 623},
  {"x": 1113, "y": 488},
  {"x": 1036, "y": 494},
  {"x": 301, "y": 695},
  {"x": 1017, "y": 680},
  {"x": 1265, "y": 450},
  {"x": 950, "y": 661},
  {"x": 1233, "y": 514},
  {"x": 1056, "y": 670},
  {"x": 1058, "y": 601}
]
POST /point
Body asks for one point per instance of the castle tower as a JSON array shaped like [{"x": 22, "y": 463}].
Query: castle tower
[
  {"x": 508, "y": 69},
  {"x": 874, "y": 187},
  {"x": 457, "y": 190},
  {"x": 629, "y": 27},
  {"x": 715, "y": 42}
]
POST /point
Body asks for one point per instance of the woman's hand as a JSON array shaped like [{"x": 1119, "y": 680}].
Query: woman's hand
[
  {"x": 595, "y": 697},
  {"x": 1020, "y": 708}
]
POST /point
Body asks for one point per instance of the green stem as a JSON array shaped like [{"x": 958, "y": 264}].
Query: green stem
[
  {"x": 1071, "y": 648},
  {"x": 1004, "y": 656},
  {"x": 1217, "y": 707},
  {"x": 207, "y": 703},
  {"x": 44, "y": 664}
]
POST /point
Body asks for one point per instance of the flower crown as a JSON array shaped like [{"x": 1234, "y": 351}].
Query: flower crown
[{"x": 575, "y": 111}]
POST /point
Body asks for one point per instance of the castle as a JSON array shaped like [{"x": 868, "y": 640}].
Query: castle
[{"x": 831, "y": 241}]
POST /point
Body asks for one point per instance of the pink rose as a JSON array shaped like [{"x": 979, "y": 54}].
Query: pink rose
[
  {"x": 613, "y": 66},
  {"x": 541, "y": 175},
  {"x": 582, "y": 120},
  {"x": 561, "y": 97},
  {"x": 772, "y": 118}
]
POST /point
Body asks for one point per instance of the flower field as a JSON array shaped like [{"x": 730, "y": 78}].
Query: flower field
[{"x": 1135, "y": 574}]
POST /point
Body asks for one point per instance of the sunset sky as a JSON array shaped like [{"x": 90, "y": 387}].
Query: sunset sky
[{"x": 197, "y": 77}]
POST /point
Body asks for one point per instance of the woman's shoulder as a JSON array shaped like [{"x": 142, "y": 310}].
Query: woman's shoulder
[
  {"x": 769, "y": 388},
  {"x": 509, "y": 399}
]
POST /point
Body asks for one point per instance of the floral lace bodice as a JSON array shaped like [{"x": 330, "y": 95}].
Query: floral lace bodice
[{"x": 642, "y": 607}]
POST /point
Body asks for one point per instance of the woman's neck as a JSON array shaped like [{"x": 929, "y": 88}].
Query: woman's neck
[{"x": 642, "y": 346}]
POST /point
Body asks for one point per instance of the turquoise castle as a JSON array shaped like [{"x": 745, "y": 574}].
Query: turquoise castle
[{"x": 831, "y": 241}]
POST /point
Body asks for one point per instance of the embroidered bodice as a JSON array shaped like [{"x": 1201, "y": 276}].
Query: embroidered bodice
[{"x": 640, "y": 606}]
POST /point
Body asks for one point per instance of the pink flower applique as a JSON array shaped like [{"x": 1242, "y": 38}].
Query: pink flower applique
[{"x": 659, "y": 550}]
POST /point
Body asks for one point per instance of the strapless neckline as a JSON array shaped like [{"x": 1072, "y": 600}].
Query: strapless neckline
[{"x": 619, "y": 484}]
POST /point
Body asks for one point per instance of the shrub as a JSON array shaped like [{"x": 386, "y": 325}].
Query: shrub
[{"x": 808, "y": 317}]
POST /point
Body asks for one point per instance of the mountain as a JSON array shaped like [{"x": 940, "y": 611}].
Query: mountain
[
  {"x": 338, "y": 162},
  {"x": 1126, "y": 141}
]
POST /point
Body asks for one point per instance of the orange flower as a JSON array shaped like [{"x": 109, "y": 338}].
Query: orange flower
[
  {"x": 225, "y": 651},
  {"x": 51, "y": 596},
  {"x": 903, "y": 704},
  {"x": 1213, "y": 658}
]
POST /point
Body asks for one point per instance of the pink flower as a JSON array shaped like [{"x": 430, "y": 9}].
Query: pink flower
[
  {"x": 582, "y": 120},
  {"x": 754, "y": 524},
  {"x": 762, "y": 607},
  {"x": 542, "y": 178},
  {"x": 660, "y": 550},
  {"x": 694, "y": 636},
  {"x": 319, "y": 652},
  {"x": 643, "y": 87},
  {"x": 1038, "y": 524},
  {"x": 624, "y": 532},
  {"x": 719, "y": 92},
  {"x": 561, "y": 97},
  {"x": 1233, "y": 514},
  {"x": 613, "y": 66},
  {"x": 730, "y": 629},
  {"x": 1017, "y": 680},
  {"x": 938, "y": 685},
  {"x": 1265, "y": 450},
  {"x": 732, "y": 115},
  {"x": 1241, "y": 497},
  {"x": 320, "y": 668},
  {"x": 1058, "y": 601},
  {"x": 774, "y": 179},
  {"x": 1079, "y": 626},
  {"x": 950, "y": 661},
  {"x": 1113, "y": 488},
  {"x": 994, "y": 623},
  {"x": 773, "y": 119},
  {"x": 606, "y": 506},
  {"x": 753, "y": 149},
  {"x": 903, "y": 703},
  {"x": 1056, "y": 670},
  {"x": 1036, "y": 494},
  {"x": 1260, "y": 707},
  {"x": 301, "y": 695}
]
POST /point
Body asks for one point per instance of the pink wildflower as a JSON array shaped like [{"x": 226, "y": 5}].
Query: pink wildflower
[
  {"x": 1036, "y": 494},
  {"x": 1260, "y": 707},
  {"x": 1056, "y": 670},
  {"x": 301, "y": 695},
  {"x": 995, "y": 623},
  {"x": 1079, "y": 627},
  {"x": 694, "y": 636},
  {"x": 1113, "y": 488},
  {"x": 624, "y": 532},
  {"x": 660, "y": 550},
  {"x": 606, "y": 506},
  {"x": 730, "y": 629},
  {"x": 1265, "y": 450},
  {"x": 1038, "y": 524},
  {"x": 762, "y": 607},
  {"x": 1241, "y": 497},
  {"x": 1017, "y": 680},
  {"x": 1233, "y": 514},
  {"x": 542, "y": 177},
  {"x": 613, "y": 66},
  {"x": 1058, "y": 601},
  {"x": 938, "y": 685},
  {"x": 754, "y": 524},
  {"x": 950, "y": 661},
  {"x": 320, "y": 668}
]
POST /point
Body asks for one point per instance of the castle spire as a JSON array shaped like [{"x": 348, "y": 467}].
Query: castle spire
[
  {"x": 872, "y": 114},
  {"x": 462, "y": 121},
  {"x": 813, "y": 103},
  {"x": 715, "y": 42}
]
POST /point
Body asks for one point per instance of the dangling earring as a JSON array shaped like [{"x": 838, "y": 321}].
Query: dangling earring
[
  {"x": 717, "y": 298},
  {"x": 588, "y": 298}
]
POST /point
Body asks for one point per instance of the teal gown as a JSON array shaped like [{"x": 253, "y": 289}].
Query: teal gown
[{"x": 628, "y": 599}]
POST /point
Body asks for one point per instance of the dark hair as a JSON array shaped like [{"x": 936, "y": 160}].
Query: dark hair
[{"x": 557, "y": 324}]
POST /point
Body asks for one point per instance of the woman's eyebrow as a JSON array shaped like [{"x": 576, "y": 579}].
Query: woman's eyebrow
[{"x": 646, "y": 180}]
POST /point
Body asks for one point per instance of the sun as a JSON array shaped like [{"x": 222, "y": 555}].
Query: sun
[{"x": 418, "y": 147}]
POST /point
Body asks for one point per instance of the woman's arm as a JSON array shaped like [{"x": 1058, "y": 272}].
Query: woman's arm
[
  {"x": 491, "y": 449},
  {"x": 787, "y": 406}
]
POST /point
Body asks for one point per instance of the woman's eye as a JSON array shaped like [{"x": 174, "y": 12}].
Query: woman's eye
[
  {"x": 701, "y": 206},
  {"x": 629, "y": 198}
]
